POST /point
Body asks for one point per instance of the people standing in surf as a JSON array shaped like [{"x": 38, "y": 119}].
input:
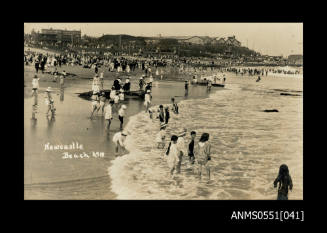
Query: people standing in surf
[
  {"x": 127, "y": 85},
  {"x": 181, "y": 148},
  {"x": 95, "y": 105},
  {"x": 119, "y": 140},
  {"x": 141, "y": 83},
  {"x": 175, "y": 106},
  {"x": 36, "y": 65},
  {"x": 49, "y": 102},
  {"x": 173, "y": 155},
  {"x": 194, "y": 81},
  {"x": 167, "y": 115},
  {"x": 62, "y": 81},
  {"x": 95, "y": 84},
  {"x": 112, "y": 93},
  {"x": 285, "y": 182},
  {"x": 116, "y": 102},
  {"x": 121, "y": 114},
  {"x": 108, "y": 114},
  {"x": 202, "y": 154},
  {"x": 121, "y": 95},
  {"x": 102, "y": 102},
  {"x": 147, "y": 101},
  {"x": 209, "y": 84},
  {"x": 101, "y": 81},
  {"x": 160, "y": 138},
  {"x": 186, "y": 87},
  {"x": 150, "y": 81},
  {"x": 191, "y": 148},
  {"x": 161, "y": 114},
  {"x": 35, "y": 87}
]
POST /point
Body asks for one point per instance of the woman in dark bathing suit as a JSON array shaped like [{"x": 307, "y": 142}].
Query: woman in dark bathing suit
[{"x": 285, "y": 182}]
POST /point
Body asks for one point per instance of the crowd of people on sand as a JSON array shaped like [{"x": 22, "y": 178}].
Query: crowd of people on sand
[
  {"x": 199, "y": 153},
  {"x": 253, "y": 71}
]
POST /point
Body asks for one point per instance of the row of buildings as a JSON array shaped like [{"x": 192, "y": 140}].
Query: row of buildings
[
  {"x": 57, "y": 36},
  {"x": 74, "y": 36},
  {"x": 199, "y": 40}
]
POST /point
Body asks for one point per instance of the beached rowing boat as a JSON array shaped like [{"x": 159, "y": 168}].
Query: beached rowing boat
[
  {"x": 205, "y": 84},
  {"x": 128, "y": 94}
]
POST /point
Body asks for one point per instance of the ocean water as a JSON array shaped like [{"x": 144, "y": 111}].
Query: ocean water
[{"x": 248, "y": 145}]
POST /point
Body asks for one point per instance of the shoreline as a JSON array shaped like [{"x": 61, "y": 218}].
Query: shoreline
[{"x": 162, "y": 91}]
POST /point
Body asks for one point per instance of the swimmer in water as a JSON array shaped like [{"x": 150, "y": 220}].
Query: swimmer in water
[{"x": 160, "y": 139}]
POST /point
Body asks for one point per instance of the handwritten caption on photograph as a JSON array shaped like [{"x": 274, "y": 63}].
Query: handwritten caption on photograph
[{"x": 73, "y": 146}]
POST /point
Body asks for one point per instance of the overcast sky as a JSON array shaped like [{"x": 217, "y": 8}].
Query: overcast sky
[{"x": 266, "y": 38}]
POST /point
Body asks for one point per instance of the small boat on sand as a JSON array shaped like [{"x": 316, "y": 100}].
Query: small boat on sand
[
  {"x": 205, "y": 84},
  {"x": 128, "y": 94}
]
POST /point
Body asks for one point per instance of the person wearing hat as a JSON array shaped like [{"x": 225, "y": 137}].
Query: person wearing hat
[
  {"x": 141, "y": 83},
  {"x": 181, "y": 148},
  {"x": 121, "y": 114},
  {"x": 147, "y": 101},
  {"x": 49, "y": 101},
  {"x": 127, "y": 85},
  {"x": 108, "y": 114},
  {"x": 35, "y": 86},
  {"x": 148, "y": 87},
  {"x": 119, "y": 140},
  {"x": 117, "y": 84},
  {"x": 160, "y": 138},
  {"x": 112, "y": 92}
]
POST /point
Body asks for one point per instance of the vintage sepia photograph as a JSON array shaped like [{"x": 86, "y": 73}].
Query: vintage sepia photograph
[{"x": 163, "y": 111}]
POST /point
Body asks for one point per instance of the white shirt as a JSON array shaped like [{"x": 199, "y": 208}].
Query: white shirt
[
  {"x": 108, "y": 112},
  {"x": 181, "y": 144},
  {"x": 151, "y": 80},
  {"x": 119, "y": 138},
  {"x": 112, "y": 94},
  {"x": 147, "y": 98},
  {"x": 35, "y": 83},
  {"x": 121, "y": 112},
  {"x": 121, "y": 96},
  {"x": 173, "y": 159},
  {"x": 116, "y": 99}
]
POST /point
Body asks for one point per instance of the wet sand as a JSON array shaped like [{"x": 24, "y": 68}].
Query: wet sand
[{"x": 47, "y": 175}]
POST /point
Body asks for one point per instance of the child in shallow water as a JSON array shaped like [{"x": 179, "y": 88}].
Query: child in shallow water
[
  {"x": 175, "y": 106},
  {"x": 202, "y": 154},
  {"x": 160, "y": 139},
  {"x": 285, "y": 182},
  {"x": 172, "y": 153}
]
